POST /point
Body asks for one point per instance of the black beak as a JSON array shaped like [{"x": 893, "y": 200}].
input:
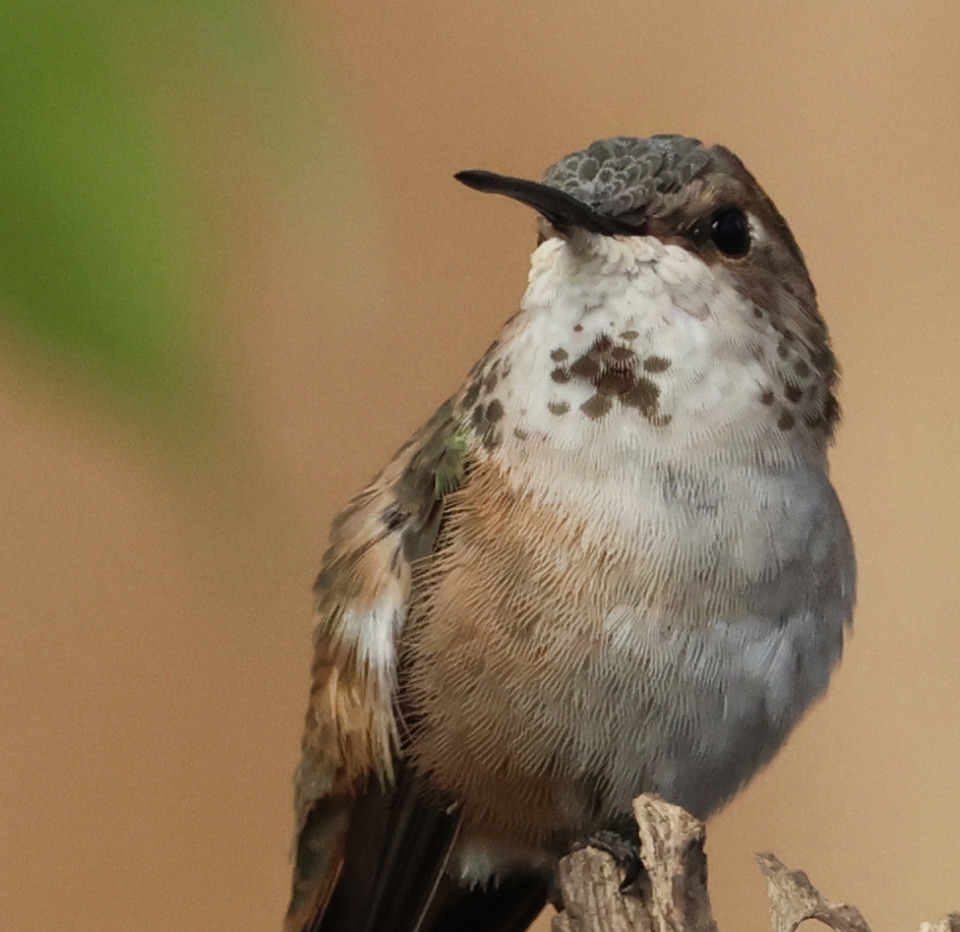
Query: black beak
[{"x": 562, "y": 210}]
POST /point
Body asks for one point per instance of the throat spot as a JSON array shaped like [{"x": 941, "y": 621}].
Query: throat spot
[{"x": 616, "y": 372}]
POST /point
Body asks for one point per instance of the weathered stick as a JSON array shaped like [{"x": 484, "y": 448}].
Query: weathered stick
[{"x": 676, "y": 900}]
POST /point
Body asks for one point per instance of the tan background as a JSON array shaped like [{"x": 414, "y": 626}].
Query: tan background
[{"x": 155, "y": 636}]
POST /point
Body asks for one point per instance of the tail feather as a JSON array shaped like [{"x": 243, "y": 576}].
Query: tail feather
[{"x": 377, "y": 863}]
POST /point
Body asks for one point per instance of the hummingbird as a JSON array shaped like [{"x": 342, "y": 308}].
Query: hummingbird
[{"x": 611, "y": 563}]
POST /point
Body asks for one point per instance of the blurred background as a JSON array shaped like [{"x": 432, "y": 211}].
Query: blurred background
[{"x": 235, "y": 274}]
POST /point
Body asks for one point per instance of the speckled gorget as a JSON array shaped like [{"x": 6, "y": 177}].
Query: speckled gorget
[{"x": 612, "y": 563}]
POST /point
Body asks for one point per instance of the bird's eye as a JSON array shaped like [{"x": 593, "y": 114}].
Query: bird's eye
[{"x": 730, "y": 232}]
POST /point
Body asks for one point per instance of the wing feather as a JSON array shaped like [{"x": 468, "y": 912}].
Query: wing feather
[{"x": 351, "y": 745}]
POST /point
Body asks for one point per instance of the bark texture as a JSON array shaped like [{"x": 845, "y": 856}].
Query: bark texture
[{"x": 673, "y": 895}]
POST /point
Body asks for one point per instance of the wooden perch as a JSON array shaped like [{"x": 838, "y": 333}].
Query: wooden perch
[{"x": 675, "y": 899}]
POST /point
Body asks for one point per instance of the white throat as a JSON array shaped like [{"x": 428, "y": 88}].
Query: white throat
[{"x": 629, "y": 349}]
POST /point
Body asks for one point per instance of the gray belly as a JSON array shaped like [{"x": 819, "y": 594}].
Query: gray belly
[{"x": 562, "y": 669}]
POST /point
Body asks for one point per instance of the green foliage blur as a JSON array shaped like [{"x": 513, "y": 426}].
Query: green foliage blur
[{"x": 105, "y": 114}]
